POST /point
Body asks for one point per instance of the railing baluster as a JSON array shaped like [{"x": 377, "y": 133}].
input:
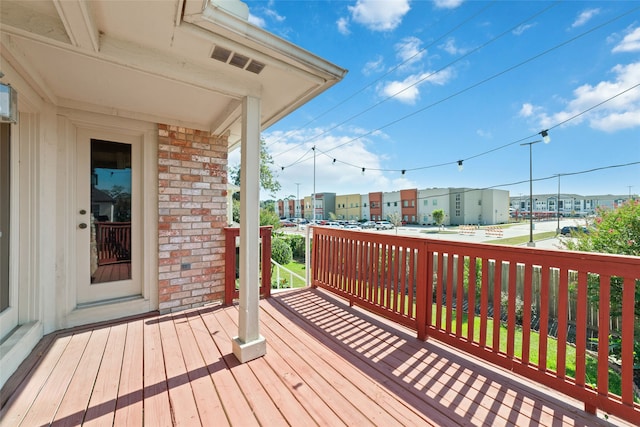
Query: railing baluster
[
  {"x": 386, "y": 274},
  {"x": 563, "y": 300},
  {"x": 603, "y": 334}
]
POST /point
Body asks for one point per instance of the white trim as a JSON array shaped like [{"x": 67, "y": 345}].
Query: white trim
[{"x": 109, "y": 127}]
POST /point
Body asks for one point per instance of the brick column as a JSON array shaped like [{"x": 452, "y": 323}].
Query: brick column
[{"x": 192, "y": 174}]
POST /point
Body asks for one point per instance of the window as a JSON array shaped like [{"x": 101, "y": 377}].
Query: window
[
  {"x": 395, "y": 203},
  {"x": 435, "y": 202},
  {"x": 388, "y": 204},
  {"x": 413, "y": 203},
  {"x": 405, "y": 203}
]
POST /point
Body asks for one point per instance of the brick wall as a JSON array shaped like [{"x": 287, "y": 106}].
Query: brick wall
[{"x": 192, "y": 173}]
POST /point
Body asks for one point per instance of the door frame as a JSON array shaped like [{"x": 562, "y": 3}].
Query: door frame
[{"x": 72, "y": 124}]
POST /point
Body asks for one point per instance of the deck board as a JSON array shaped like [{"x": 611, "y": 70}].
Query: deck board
[{"x": 327, "y": 364}]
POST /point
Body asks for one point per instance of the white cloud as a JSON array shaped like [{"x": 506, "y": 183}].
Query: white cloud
[
  {"x": 527, "y": 110},
  {"x": 619, "y": 112},
  {"x": 343, "y": 26},
  {"x": 342, "y": 177},
  {"x": 374, "y": 66},
  {"x": 256, "y": 20},
  {"x": 484, "y": 133},
  {"x": 409, "y": 50},
  {"x": 274, "y": 15},
  {"x": 379, "y": 15},
  {"x": 584, "y": 17},
  {"x": 450, "y": 47},
  {"x": 522, "y": 28},
  {"x": 630, "y": 42},
  {"x": 447, "y": 4},
  {"x": 407, "y": 90}
]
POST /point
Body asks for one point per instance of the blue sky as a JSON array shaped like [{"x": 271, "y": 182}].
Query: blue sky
[{"x": 434, "y": 82}]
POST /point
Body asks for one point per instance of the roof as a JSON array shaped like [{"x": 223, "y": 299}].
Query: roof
[{"x": 168, "y": 61}]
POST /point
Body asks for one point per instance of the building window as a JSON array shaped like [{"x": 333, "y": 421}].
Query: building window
[
  {"x": 395, "y": 203},
  {"x": 405, "y": 203},
  {"x": 435, "y": 202}
]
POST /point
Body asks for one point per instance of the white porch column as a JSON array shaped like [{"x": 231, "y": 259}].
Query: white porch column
[{"x": 249, "y": 344}]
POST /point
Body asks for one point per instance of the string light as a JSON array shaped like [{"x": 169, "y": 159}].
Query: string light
[{"x": 545, "y": 136}]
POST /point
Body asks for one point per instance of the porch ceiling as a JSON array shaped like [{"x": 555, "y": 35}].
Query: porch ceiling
[{"x": 152, "y": 61}]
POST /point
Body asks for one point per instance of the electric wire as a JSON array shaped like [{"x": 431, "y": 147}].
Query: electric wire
[
  {"x": 391, "y": 70},
  {"x": 473, "y": 86}
]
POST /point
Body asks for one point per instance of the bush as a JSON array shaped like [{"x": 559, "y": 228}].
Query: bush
[
  {"x": 281, "y": 251},
  {"x": 296, "y": 242}
]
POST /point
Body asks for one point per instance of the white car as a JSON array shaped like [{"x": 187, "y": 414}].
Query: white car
[
  {"x": 384, "y": 225},
  {"x": 352, "y": 227}
]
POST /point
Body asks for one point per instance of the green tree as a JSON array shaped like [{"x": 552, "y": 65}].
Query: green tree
[
  {"x": 268, "y": 178},
  {"x": 396, "y": 220},
  {"x": 438, "y": 216},
  {"x": 614, "y": 231},
  {"x": 269, "y": 217}
]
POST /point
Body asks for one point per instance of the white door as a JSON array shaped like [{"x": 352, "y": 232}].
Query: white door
[{"x": 108, "y": 217}]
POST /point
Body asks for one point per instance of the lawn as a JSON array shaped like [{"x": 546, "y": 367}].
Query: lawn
[{"x": 519, "y": 240}]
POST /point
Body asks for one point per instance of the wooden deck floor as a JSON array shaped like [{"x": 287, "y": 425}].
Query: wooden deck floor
[{"x": 327, "y": 364}]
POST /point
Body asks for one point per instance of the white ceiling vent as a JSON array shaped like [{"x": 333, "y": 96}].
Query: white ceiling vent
[{"x": 240, "y": 61}]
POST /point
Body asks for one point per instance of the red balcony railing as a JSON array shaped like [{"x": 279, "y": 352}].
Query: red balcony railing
[
  {"x": 231, "y": 263},
  {"x": 113, "y": 242},
  {"x": 536, "y": 312}
]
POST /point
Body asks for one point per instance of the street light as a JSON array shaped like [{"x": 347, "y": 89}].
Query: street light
[
  {"x": 558, "y": 206},
  {"x": 530, "y": 144}
]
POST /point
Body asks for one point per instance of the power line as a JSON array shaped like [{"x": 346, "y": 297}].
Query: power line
[
  {"x": 481, "y": 82},
  {"x": 567, "y": 120},
  {"x": 391, "y": 70}
]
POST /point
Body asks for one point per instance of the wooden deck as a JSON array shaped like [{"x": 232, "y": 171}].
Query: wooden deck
[{"x": 327, "y": 364}]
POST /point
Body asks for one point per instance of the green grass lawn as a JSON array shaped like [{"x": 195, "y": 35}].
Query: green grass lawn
[
  {"x": 296, "y": 267},
  {"x": 519, "y": 240},
  {"x": 591, "y": 373}
]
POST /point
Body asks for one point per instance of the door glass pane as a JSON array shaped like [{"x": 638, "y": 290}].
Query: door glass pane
[
  {"x": 110, "y": 211},
  {"x": 4, "y": 215}
]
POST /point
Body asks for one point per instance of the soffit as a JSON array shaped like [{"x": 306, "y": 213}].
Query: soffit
[{"x": 145, "y": 60}]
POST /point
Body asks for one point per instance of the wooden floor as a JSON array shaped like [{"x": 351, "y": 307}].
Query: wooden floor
[{"x": 327, "y": 364}]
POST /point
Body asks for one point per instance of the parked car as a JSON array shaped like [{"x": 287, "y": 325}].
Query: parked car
[
  {"x": 569, "y": 230},
  {"x": 286, "y": 223},
  {"x": 334, "y": 224},
  {"x": 384, "y": 225},
  {"x": 352, "y": 227},
  {"x": 368, "y": 224}
]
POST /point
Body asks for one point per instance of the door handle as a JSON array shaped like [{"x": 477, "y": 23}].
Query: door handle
[{"x": 82, "y": 225}]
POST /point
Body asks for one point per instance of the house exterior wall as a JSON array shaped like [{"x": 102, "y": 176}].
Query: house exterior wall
[
  {"x": 192, "y": 208},
  {"x": 364, "y": 209},
  {"x": 375, "y": 206},
  {"x": 348, "y": 207},
  {"x": 409, "y": 205},
  {"x": 391, "y": 204},
  {"x": 430, "y": 200}
]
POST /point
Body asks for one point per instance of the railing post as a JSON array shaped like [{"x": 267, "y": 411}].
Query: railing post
[
  {"x": 266, "y": 261},
  {"x": 230, "y": 264},
  {"x": 423, "y": 283}
]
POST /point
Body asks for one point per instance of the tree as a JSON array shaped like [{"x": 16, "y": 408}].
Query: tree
[
  {"x": 396, "y": 220},
  {"x": 268, "y": 179},
  {"x": 614, "y": 231},
  {"x": 438, "y": 216}
]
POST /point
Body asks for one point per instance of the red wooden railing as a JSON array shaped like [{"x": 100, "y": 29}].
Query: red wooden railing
[
  {"x": 113, "y": 242},
  {"x": 435, "y": 286},
  {"x": 230, "y": 290}
]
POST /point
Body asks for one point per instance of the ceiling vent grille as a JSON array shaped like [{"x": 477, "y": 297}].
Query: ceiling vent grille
[{"x": 240, "y": 61}]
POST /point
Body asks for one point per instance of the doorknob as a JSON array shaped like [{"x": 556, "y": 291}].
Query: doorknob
[{"x": 82, "y": 225}]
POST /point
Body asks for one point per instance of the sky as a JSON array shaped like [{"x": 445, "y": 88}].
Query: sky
[{"x": 431, "y": 83}]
